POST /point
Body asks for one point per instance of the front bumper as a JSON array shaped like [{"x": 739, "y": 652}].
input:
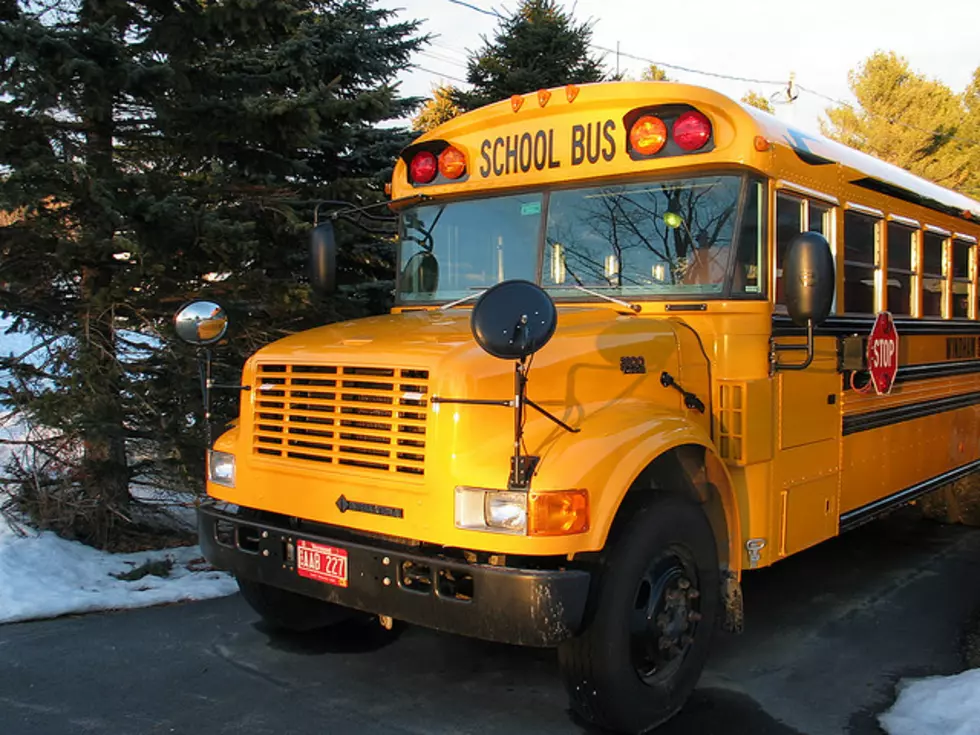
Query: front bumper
[{"x": 529, "y": 607}]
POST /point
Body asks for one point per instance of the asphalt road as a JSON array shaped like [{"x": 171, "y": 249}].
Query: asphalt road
[{"x": 830, "y": 632}]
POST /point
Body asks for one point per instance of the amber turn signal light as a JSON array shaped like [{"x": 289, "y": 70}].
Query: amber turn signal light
[
  {"x": 558, "y": 513},
  {"x": 648, "y": 135},
  {"x": 452, "y": 163}
]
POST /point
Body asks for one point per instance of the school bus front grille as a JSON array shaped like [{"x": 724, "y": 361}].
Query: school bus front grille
[{"x": 362, "y": 418}]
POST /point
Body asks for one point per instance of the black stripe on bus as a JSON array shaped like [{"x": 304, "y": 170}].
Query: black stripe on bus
[
  {"x": 859, "y": 516},
  {"x": 847, "y": 325},
  {"x": 907, "y": 373},
  {"x": 899, "y": 414}
]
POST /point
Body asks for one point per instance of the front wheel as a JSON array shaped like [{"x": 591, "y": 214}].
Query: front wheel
[{"x": 652, "y": 613}]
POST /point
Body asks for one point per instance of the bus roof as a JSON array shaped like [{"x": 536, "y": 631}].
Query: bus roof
[{"x": 864, "y": 170}]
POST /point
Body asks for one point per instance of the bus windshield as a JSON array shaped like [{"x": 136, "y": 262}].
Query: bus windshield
[{"x": 666, "y": 239}]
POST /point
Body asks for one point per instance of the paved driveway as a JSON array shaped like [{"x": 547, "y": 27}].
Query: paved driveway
[{"x": 829, "y": 633}]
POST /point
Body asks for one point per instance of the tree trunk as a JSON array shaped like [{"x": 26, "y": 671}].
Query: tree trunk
[
  {"x": 104, "y": 469},
  {"x": 105, "y": 472}
]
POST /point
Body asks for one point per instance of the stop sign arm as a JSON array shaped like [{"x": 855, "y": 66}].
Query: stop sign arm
[{"x": 775, "y": 349}]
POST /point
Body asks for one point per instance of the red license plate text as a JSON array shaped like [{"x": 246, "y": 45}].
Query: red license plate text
[{"x": 323, "y": 563}]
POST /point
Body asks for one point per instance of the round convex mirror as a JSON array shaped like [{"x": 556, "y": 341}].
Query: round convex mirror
[
  {"x": 513, "y": 320},
  {"x": 201, "y": 322}
]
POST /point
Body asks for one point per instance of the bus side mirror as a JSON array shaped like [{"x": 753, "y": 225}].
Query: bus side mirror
[
  {"x": 808, "y": 284},
  {"x": 421, "y": 274},
  {"x": 808, "y": 278},
  {"x": 201, "y": 323},
  {"x": 323, "y": 258}
]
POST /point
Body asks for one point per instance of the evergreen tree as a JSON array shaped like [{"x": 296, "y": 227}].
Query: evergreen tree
[
  {"x": 437, "y": 109},
  {"x": 159, "y": 150},
  {"x": 907, "y": 119},
  {"x": 540, "y": 45},
  {"x": 759, "y": 101}
]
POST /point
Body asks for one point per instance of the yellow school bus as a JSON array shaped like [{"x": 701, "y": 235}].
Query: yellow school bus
[{"x": 700, "y": 403}]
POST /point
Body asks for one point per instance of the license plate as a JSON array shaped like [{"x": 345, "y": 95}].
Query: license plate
[{"x": 320, "y": 562}]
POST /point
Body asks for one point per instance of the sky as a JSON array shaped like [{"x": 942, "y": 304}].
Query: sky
[{"x": 757, "y": 39}]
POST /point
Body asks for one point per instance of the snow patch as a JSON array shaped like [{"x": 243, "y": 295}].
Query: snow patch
[
  {"x": 938, "y": 705},
  {"x": 44, "y": 576}
]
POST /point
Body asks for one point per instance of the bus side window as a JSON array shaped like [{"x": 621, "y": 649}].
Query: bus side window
[
  {"x": 789, "y": 223},
  {"x": 962, "y": 257},
  {"x": 820, "y": 219},
  {"x": 932, "y": 274},
  {"x": 860, "y": 262},
  {"x": 901, "y": 269}
]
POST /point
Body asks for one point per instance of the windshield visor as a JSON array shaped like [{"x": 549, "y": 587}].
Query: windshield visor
[{"x": 668, "y": 239}]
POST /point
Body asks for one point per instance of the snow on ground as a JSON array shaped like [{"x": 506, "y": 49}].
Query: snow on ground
[
  {"x": 938, "y": 705},
  {"x": 43, "y": 576}
]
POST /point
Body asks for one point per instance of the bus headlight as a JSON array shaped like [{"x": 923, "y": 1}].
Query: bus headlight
[
  {"x": 500, "y": 511},
  {"x": 550, "y": 513},
  {"x": 221, "y": 468},
  {"x": 506, "y": 512}
]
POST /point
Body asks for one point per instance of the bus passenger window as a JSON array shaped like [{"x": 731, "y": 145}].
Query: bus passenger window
[
  {"x": 860, "y": 250},
  {"x": 820, "y": 219},
  {"x": 962, "y": 255},
  {"x": 789, "y": 224},
  {"x": 932, "y": 274},
  {"x": 900, "y": 269}
]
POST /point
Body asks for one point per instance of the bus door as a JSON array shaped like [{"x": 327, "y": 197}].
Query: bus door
[{"x": 806, "y": 458}]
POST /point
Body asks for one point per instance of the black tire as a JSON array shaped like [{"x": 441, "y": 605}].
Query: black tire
[
  {"x": 661, "y": 568},
  {"x": 286, "y": 610}
]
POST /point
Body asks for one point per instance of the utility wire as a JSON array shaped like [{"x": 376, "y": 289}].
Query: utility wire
[
  {"x": 440, "y": 74},
  {"x": 455, "y": 50},
  {"x": 443, "y": 59},
  {"x": 493, "y": 13},
  {"x": 747, "y": 80},
  {"x": 689, "y": 69}
]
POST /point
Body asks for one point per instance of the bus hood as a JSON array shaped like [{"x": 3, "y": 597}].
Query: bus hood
[
  {"x": 597, "y": 357},
  {"x": 434, "y": 339}
]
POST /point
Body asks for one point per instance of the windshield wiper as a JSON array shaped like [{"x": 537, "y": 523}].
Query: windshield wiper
[
  {"x": 451, "y": 304},
  {"x": 634, "y": 308}
]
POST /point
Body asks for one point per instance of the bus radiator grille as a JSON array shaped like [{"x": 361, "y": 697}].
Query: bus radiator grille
[{"x": 366, "y": 418}]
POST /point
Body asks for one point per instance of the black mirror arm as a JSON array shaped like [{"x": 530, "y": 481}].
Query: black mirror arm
[
  {"x": 551, "y": 417},
  {"x": 775, "y": 349},
  {"x": 345, "y": 209},
  {"x": 204, "y": 367}
]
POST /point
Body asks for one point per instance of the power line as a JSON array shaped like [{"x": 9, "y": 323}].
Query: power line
[
  {"x": 457, "y": 50},
  {"x": 493, "y": 13},
  {"x": 747, "y": 80},
  {"x": 688, "y": 69},
  {"x": 618, "y": 53},
  {"x": 440, "y": 74},
  {"x": 443, "y": 59}
]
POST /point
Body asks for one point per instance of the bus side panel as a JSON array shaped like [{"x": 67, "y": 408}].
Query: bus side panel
[{"x": 806, "y": 465}]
